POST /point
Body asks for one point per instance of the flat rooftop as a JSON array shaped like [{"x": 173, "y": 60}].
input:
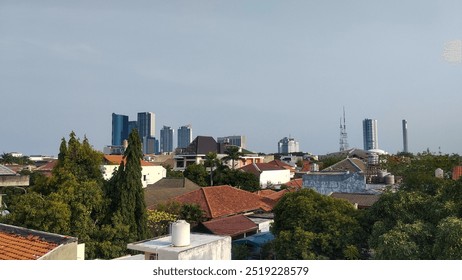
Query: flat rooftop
[{"x": 165, "y": 243}]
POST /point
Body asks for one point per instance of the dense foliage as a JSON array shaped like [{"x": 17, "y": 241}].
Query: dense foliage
[
  {"x": 76, "y": 200},
  {"x": 317, "y": 227},
  {"x": 423, "y": 219}
]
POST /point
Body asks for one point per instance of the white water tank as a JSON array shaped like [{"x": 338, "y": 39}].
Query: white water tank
[
  {"x": 181, "y": 233},
  {"x": 439, "y": 173}
]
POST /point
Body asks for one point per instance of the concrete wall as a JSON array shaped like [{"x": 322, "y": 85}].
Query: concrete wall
[
  {"x": 218, "y": 250},
  {"x": 149, "y": 174},
  {"x": 326, "y": 183},
  {"x": 63, "y": 252},
  {"x": 14, "y": 181},
  {"x": 274, "y": 177}
]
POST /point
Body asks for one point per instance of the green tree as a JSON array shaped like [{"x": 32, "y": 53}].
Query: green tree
[
  {"x": 197, "y": 173},
  {"x": 233, "y": 154},
  {"x": 125, "y": 190},
  {"x": 239, "y": 179},
  {"x": 172, "y": 173},
  {"x": 421, "y": 220},
  {"x": 192, "y": 213},
  {"x": 448, "y": 245},
  {"x": 211, "y": 161},
  {"x": 324, "y": 227},
  {"x": 7, "y": 158}
]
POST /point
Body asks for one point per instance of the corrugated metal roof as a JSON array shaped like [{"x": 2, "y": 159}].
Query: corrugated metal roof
[{"x": 5, "y": 171}]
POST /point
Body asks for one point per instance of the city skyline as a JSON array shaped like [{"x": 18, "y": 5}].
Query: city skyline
[{"x": 263, "y": 69}]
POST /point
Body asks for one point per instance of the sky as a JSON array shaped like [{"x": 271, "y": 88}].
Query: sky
[{"x": 264, "y": 69}]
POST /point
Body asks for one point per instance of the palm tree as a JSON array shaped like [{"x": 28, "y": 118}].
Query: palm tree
[
  {"x": 233, "y": 154},
  {"x": 211, "y": 161}
]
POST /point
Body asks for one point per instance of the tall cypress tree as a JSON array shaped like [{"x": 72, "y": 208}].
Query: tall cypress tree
[{"x": 128, "y": 199}]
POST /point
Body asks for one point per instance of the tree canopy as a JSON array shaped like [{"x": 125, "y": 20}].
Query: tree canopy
[
  {"x": 319, "y": 227},
  {"x": 76, "y": 200}
]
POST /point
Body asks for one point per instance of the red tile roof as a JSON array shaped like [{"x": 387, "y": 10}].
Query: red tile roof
[
  {"x": 258, "y": 168},
  {"x": 281, "y": 164},
  {"x": 265, "y": 192},
  {"x": 222, "y": 201},
  {"x": 117, "y": 159},
  {"x": 18, "y": 243},
  {"x": 232, "y": 226},
  {"x": 15, "y": 247},
  {"x": 295, "y": 184}
]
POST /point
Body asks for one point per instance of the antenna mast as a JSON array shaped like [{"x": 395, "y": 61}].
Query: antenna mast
[{"x": 343, "y": 133}]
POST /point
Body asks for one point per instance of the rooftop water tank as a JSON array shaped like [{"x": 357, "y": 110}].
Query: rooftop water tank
[
  {"x": 390, "y": 179},
  {"x": 439, "y": 173},
  {"x": 181, "y": 233}
]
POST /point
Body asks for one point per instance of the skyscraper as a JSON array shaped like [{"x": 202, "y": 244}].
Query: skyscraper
[
  {"x": 119, "y": 129},
  {"x": 370, "y": 137},
  {"x": 405, "y": 147},
  {"x": 288, "y": 145},
  {"x": 166, "y": 139},
  {"x": 184, "y": 136},
  {"x": 146, "y": 128}
]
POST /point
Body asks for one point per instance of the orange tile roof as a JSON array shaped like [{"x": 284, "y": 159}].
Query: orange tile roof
[
  {"x": 265, "y": 192},
  {"x": 222, "y": 201},
  {"x": 456, "y": 172},
  {"x": 232, "y": 226},
  {"x": 18, "y": 243},
  {"x": 117, "y": 159},
  {"x": 295, "y": 184},
  {"x": 16, "y": 247}
]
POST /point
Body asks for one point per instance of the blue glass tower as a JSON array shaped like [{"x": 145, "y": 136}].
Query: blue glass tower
[{"x": 119, "y": 129}]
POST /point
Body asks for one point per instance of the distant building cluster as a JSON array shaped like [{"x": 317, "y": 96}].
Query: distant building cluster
[
  {"x": 146, "y": 125},
  {"x": 288, "y": 145}
]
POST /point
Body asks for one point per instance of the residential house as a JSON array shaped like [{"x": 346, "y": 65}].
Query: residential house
[
  {"x": 347, "y": 176},
  {"x": 270, "y": 175},
  {"x": 284, "y": 165},
  {"x": 166, "y": 189},
  {"x": 224, "y": 201},
  {"x": 9, "y": 178},
  {"x": 238, "y": 226},
  {"x": 196, "y": 152},
  {"x": 47, "y": 168},
  {"x": 150, "y": 172},
  {"x": 222, "y": 206},
  {"x": 18, "y": 243}
]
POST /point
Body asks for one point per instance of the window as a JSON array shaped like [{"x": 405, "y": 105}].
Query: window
[{"x": 153, "y": 256}]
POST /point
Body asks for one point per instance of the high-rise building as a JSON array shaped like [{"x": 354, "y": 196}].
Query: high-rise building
[
  {"x": 288, "y": 145},
  {"x": 184, "y": 136},
  {"x": 119, "y": 129},
  {"x": 152, "y": 145},
  {"x": 405, "y": 147},
  {"x": 236, "y": 140},
  {"x": 132, "y": 125},
  {"x": 370, "y": 138},
  {"x": 166, "y": 139},
  {"x": 146, "y": 128}
]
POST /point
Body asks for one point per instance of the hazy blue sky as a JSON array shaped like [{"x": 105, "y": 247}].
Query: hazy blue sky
[{"x": 261, "y": 68}]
